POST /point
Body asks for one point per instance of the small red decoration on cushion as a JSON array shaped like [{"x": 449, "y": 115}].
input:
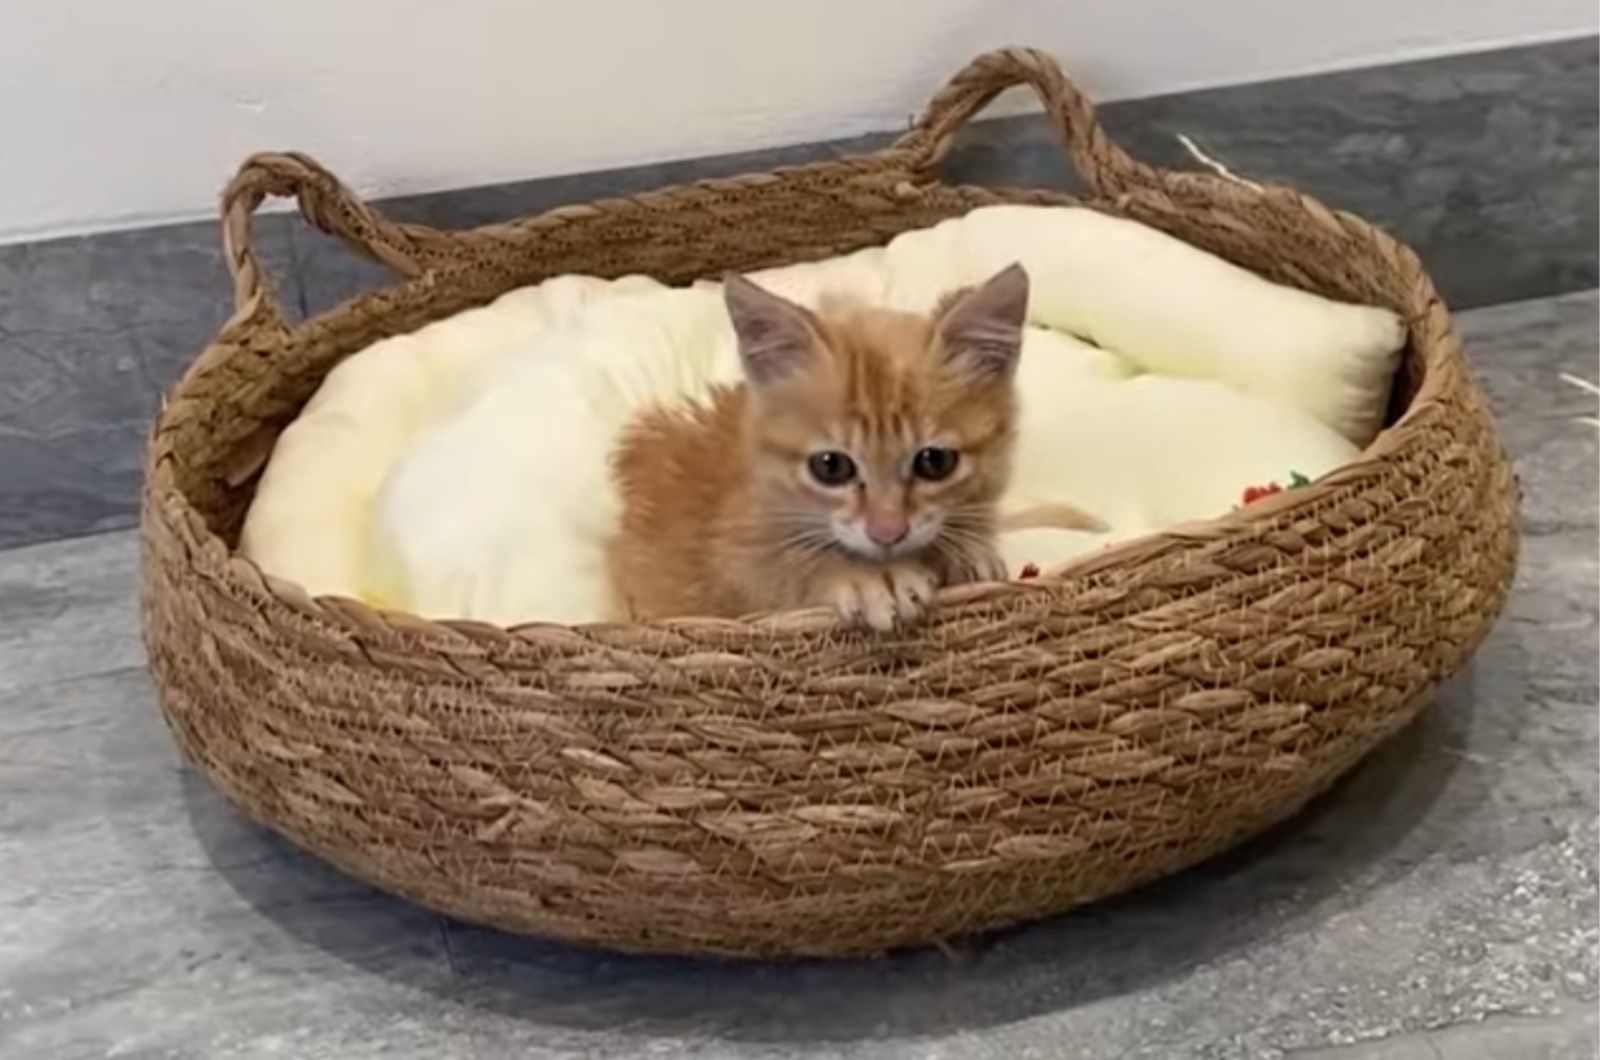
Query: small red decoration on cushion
[
  {"x": 1255, "y": 493},
  {"x": 1029, "y": 570}
]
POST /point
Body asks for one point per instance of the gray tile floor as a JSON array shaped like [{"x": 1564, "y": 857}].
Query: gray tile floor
[{"x": 1440, "y": 904}]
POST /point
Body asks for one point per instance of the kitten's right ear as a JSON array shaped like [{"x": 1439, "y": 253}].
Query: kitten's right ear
[
  {"x": 982, "y": 327},
  {"x": 775, "y": 336}
]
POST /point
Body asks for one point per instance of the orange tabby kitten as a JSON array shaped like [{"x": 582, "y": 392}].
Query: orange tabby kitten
[{"x": 858, "y": 466}]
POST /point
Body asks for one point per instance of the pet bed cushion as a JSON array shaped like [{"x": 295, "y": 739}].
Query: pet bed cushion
[{"x": 397, "y": 485}]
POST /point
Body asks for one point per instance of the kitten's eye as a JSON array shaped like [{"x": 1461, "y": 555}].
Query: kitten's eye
[
  {"x": 831, "y": 468},
  {"x": 934, "y": 463}
]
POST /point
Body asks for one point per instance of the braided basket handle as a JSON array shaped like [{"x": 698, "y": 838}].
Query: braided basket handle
[
  {"x": 1104, "y": 167},
  {"x": 410, "y": 249},
  {"x": 327, "y": 205}
]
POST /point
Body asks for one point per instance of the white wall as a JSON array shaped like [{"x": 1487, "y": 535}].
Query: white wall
[{"x": 119, "y": 112}]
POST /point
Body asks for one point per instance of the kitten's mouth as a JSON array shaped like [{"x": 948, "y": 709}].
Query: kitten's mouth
[
  {"x": 852, "y": 539},
  {"x": 875, "y": 553}
]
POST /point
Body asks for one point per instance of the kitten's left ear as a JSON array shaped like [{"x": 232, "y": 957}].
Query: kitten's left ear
[{"x": 981, "y": 328}]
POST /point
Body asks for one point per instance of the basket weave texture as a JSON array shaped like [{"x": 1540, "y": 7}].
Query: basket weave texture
[{"x": 774, "y": 785}]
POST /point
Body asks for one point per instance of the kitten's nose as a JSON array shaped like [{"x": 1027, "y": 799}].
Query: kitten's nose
[{"x": 886, "y": 531}]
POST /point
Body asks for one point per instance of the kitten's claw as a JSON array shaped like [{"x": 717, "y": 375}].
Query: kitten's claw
[
  {"x": 883, "y": 598},
  {"x": 913, "y": 588},
  {"x": 861, "y": 602}
]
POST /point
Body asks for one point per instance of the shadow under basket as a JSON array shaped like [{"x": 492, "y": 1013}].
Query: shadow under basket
[{"x": 775, "y": 785}]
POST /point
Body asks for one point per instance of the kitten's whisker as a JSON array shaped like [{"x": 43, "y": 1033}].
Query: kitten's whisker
[{"x": 965, "y": 539}]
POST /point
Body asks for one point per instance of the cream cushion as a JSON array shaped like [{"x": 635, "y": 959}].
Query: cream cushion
[{"x": 462, "y": 470}]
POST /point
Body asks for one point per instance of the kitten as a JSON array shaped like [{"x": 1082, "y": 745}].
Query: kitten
[{"x": 858, "y": 466}]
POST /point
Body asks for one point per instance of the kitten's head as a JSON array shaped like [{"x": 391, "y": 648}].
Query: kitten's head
[{"x": 877, "y": 433}]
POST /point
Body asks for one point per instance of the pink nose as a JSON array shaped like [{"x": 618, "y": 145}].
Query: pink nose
[{"x": 887, "y": 530}]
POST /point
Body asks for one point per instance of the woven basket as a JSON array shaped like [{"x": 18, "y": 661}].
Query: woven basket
[{"x": 776, "y": 786}]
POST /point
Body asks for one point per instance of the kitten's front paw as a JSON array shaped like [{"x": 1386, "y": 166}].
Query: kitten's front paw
[{"x": 883, "y": 597}]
